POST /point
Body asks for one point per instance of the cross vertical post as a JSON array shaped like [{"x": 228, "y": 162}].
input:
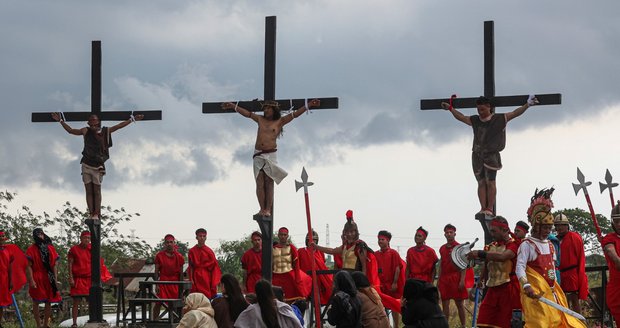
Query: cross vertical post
[
  {"x": 265, "y": 223},
  {"x": 95, "y": 297},
  {"x": 498, "y": 101}
]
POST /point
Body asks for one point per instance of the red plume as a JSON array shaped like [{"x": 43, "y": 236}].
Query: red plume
[{"x": 349, "y": 214}]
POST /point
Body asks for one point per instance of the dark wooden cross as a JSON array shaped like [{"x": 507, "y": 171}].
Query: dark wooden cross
[
  {"x": 95, "y": 298},
  {"x": 266, "y": 223},
  {"x": 489, "y": 92}
]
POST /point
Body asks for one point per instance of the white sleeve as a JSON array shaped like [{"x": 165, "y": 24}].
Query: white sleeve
[{"x": 525, "y": 254}]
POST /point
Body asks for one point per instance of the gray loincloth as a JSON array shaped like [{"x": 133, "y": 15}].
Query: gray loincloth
[{"x": 268, "y": 162}]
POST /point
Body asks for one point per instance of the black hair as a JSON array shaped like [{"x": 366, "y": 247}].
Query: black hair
[
  {"x": 360, "y": 279},
  {"x": 200, "y": 230},
  {"x": 523, "y": 225},
  {"x": 344, "y": 283},
  {"x": 385, "y": 233},
  {"x": 449, "y": 226},
  {"x": 266, "y": 301},
  {"x": 234, "y": 296}
]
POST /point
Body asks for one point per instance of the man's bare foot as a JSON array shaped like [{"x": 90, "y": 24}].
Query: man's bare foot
[
  {"x": 267, "y": 213},
  {"x": 486, "y": 211}
]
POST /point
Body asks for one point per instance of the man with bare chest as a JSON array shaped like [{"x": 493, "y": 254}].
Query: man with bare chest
[{"x": 266, "y": 169}]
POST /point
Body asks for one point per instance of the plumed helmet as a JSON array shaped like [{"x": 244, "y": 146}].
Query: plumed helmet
[
  {"x": 560, "y": 219},
  {"x": 350, "y": 224},
  {"x": 539, "y": 211}
]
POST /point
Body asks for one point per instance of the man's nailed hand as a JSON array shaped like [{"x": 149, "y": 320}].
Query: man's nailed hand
[
  {"x": 532, "y": 100},
  {"x": 314, "y": 103},
  {"x": 445, "y": 105},
  {"x": 228, "y": 105}
]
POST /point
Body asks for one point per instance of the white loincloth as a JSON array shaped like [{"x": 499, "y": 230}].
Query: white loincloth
[{"x": 269, "y": 164}]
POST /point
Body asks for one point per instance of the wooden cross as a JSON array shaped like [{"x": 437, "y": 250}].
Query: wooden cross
[
  {"x": 95, "y": 100},
  {"x": 266, "y": 222},
  {"x": 489, "y": 92},
  {"x": 95, "y": 298}
]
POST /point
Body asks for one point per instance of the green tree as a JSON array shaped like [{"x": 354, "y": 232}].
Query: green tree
[
  {"x": 64, "y": 229},
  {"x": 581, "y": 222},
  {"x": 229, "y": 255}
]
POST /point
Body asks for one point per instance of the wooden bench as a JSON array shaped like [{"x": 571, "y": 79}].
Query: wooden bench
[
  {"x": 146, "y": 297},
  {"x": 173, "y": 305}
]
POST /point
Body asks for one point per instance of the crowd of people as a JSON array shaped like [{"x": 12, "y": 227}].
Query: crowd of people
[{"x": 516, "y": 270}]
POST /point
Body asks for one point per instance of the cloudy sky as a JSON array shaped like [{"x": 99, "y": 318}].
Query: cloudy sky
[{"x": 395, "y": 166}]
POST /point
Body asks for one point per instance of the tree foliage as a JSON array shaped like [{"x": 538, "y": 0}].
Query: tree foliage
[
  {"x": 581, "y": 222},
  {"x": 229, "y": 255},
  {"x": 64, "y": 228}
]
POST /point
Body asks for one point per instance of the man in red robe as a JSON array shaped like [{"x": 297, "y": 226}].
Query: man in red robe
[
  {"x": 573, "y": 279},
  {"x": 78, "y": 260},
  {"x": 252, "y": 263},
  {"x": 498, "y": 274},
  {"x": 42, "y": 274},
  {"x": 204, "y": 271},
  {"x": 13, "y": 263},
  {"x": 325, "y": 280},
  {"x": 521, "y": 230},
  {"x": 168, "y": 267},
  {"x": 6, "y": 283},
  {"x": 611, "y": 246},
  {"x": 286, "y": 273},
  {"x": 421, "y": 259},
  {"x": 391, "y": 269},
  {"x": 451, "y": 284}
]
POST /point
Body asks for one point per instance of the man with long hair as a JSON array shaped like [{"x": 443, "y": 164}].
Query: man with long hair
[
  {"x": 270, "y": 127},
  {"x": 42, "y": 273}
]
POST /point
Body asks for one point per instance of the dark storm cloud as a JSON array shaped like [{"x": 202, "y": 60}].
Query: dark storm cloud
[{"x": 379, "y": 59}]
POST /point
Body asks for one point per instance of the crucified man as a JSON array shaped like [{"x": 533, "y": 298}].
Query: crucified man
[
  {"x": 266, "y": 169},
  {"x": 97, "y": 141},
  {"x": 489, "y": 139}
]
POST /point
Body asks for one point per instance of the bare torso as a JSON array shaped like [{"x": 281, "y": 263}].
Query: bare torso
[{"x": 267, "y": 134}]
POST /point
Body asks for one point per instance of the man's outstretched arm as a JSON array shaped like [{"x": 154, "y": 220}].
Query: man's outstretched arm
[
  {"x": 458, "y": 115},
  {"x": 295, "y": 114},
  {"x": 244, "y": 112},
  {"x": 531, "y": 101},
  {"x": 77, "y": 132},
  {"x": 123, "y": 124}
]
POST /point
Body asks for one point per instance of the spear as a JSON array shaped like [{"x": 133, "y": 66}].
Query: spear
[
  {"x": 583, "y": 185},
  {"x": 609, "y": 184},
  {"x": 315, "y": 285}
]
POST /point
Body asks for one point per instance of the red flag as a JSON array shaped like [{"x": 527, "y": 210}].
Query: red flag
[{"x": 105, "y": 273}]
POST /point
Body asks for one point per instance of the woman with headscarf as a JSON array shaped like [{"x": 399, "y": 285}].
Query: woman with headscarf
[
  {"x": 420, "y": 308},
  {"x": 197, "y": 312},
  {"x": 42, "y": 273},
  {"x": 267, "y": 312},
  {"x": 373, "y": 312},
  {"x": 345, "y": 308},
  {"x": 231, "y": 304}
]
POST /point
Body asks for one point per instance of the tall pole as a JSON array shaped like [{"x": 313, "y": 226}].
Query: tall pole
[{"x": 315, "y": 285}]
